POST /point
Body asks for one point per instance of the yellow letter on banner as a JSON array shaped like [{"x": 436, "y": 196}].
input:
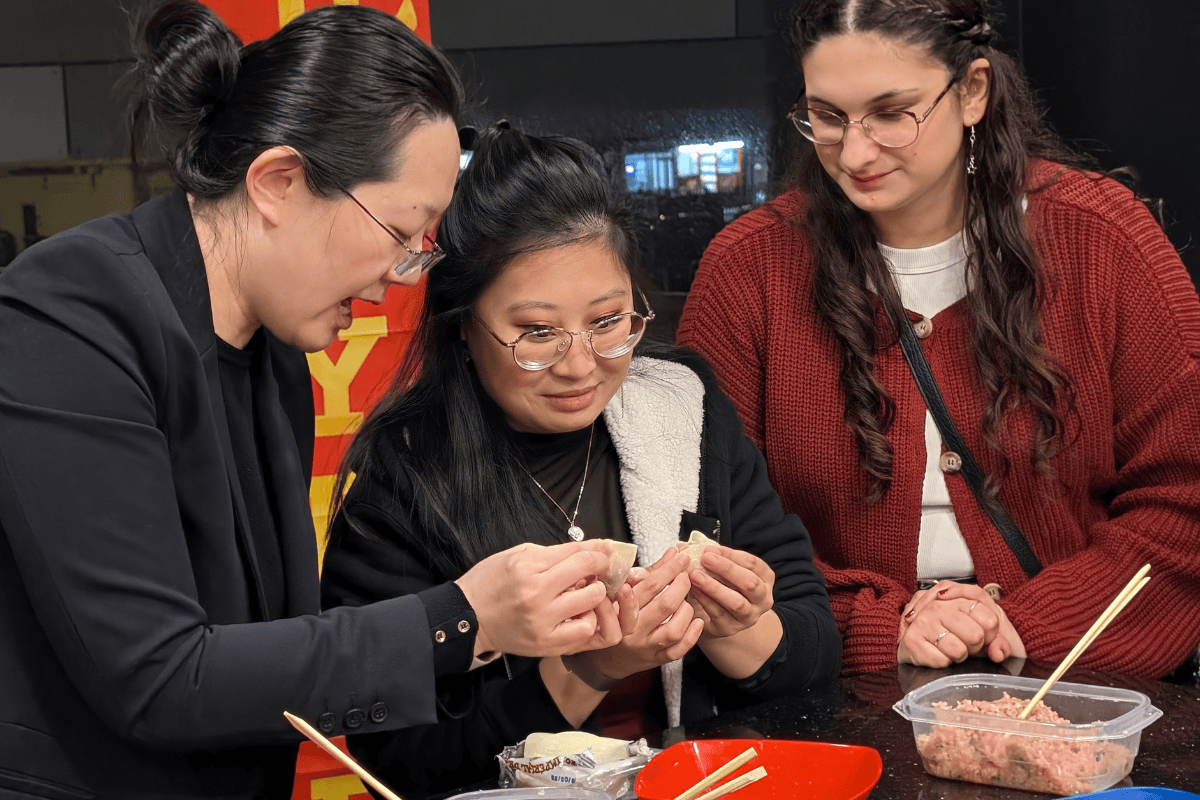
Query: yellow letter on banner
[
  {"x": 341, "y": 787},
  {"x": 335, "y": 379},
  {"x": 289, "y": 10},
  {"x": 408, "y": 14}
]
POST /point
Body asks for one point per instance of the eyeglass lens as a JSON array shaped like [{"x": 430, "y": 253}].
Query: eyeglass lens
[
  {"x": 419, "y": 262},
  {"x": 613, "y": 337},
  {"x": 888, "y": 128}
]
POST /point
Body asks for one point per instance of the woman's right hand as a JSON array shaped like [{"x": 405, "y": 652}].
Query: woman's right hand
[
  {"x": 952, "y": 622},
  {"x": 666, "y": 627},
  {"x": 532, "y": 600}
]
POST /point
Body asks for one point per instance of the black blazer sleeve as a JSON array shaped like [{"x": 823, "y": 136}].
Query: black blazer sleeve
[
  {"x": 739, "y": 490},
  {"x": 105, "y": 504},
  {"x": 379, "y": 550}
]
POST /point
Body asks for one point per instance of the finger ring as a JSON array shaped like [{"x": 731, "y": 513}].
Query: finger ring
[
  {"x": 972, "y": 608},
  {"x": 938, "y": 640}
]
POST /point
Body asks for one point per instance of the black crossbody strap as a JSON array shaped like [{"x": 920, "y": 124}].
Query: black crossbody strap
[{"x": 995, "y": 510}]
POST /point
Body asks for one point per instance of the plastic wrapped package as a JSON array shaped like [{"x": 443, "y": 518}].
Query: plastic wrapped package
[{"x": 570, "y": 760}]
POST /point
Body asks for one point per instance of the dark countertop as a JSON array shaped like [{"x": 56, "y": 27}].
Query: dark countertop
[{"x": 858, "y": 710}]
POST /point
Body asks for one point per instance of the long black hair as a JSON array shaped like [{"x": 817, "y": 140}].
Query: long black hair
[
  {"x": 519, "y": 194},
  {"x": 342, "y": 85},
  {"x": 1006, "y": 279}
]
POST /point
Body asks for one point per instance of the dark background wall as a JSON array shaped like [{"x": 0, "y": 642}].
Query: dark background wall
[
  {"x": 646, "y": 76},
  {"x": 1116, "y": 76}
]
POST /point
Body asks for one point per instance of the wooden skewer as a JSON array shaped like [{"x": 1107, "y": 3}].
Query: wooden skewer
[
  {"x": 320, "y": 741},
  {"x": 729, "y": 767},
  {"x": 740, "y": 782},
  {"x": 1119, "y": 602}
]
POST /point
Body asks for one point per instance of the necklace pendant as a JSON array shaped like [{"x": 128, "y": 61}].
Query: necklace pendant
[{"x": 575, "y": 532}]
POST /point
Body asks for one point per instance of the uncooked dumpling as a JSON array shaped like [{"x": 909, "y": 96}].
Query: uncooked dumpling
[
  {"x": 694, "y": 547},
  {"x": 622, "y": 560}
]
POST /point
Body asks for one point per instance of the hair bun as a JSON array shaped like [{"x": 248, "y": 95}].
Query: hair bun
[{"x": 188, "y": 60}]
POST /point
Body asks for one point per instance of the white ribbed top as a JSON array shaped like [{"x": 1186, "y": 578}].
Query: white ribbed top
[{"x": 931, "y": 279}]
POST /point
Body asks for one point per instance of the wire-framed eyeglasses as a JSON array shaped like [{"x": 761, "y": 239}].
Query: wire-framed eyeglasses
[
  {"x": 610, "y": 337},
  {"x": 886, "y": 128},
  {"x": 418, "y": 261}
]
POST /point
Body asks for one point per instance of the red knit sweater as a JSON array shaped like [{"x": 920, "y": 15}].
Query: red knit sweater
[{"x": 1121, "y": 316}]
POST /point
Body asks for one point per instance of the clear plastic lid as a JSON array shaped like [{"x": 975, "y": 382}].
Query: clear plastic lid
[{"x": 1096, "y": 712}]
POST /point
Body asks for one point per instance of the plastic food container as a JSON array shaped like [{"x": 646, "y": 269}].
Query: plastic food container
[{"x": 1091, "y": 754}]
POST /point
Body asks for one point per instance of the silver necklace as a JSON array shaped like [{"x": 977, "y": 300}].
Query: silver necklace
[{"x": 574, "y": 531}]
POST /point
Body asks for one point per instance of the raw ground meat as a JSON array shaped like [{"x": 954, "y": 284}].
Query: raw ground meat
[{"x": 1056, "y": 766}]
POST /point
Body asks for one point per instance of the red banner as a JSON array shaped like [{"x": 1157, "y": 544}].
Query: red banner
[{"x": 258, "y": 19}]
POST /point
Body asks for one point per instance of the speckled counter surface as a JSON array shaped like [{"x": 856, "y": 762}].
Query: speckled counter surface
[{"x": 859, "y": 711}]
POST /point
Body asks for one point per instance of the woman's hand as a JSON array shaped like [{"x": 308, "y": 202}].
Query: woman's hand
[
  {"x": 735, "y": 594},
  {"x": 540, "y": 601},
  {"x": 664, "y": 627},
  {"x": 952, "y": 622}
]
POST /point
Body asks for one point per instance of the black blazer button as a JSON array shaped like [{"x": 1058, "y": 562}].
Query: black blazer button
[
  {"x": 327, "y": 722},
  {"x": 354, "y": 718},
  {"x": 379, "y": 712}
]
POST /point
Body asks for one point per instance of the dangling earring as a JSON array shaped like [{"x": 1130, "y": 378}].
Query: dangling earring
[
  {"x": 971, "y": 154},
  {"x": 466, "y": 355}
]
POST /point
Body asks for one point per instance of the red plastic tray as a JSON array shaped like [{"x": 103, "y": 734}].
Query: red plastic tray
[{"x": 811, "y": 770}]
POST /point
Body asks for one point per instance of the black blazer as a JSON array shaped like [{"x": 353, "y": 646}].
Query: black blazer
[{"x": 134, "y": 657}]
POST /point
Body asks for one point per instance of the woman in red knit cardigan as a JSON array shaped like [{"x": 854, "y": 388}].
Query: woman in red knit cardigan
[{"x": 1058, "y": 322}]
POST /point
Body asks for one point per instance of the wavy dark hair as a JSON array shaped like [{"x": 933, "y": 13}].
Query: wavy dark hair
[
  {"x": 1006, "y": 281},
  {"x": 519, "y": 194},
  {"x": 342, "y": 85}
]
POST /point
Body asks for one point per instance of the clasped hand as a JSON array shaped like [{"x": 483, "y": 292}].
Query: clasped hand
[
  {"x": 657, "y": 625},
  {"x": 732, "y": 592},
  {"x": 678, "y": 607},
  {"x": 532, "y": 600},
  {"x": 952, "y": 622}
]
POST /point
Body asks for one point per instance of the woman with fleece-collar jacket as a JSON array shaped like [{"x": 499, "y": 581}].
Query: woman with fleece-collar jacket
[{"x": 684, "y": 464}]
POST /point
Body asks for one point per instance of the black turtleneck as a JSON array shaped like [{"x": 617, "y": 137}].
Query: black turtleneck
[
  {"x": 245, "y": 433},
  {"x": 557, "y": 461}
]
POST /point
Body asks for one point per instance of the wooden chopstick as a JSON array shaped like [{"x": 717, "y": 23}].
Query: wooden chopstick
[
  {"x": 320, "y": 741},
  {"x": 740, "y": 782},
  {"x": 729, "y": 767},
  {"x": 1119, "y": 602}
]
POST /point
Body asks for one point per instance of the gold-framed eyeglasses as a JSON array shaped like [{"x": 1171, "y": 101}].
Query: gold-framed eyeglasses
[
  {"x": 886, "y": 128},
  {"x": 610, "y": 337},
  {"x": 418, "y": 261}
]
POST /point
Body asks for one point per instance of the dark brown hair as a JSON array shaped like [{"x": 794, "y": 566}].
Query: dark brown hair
[
  {"x": 1004, "y": 276},
  {"x": 437, "y": 425}
]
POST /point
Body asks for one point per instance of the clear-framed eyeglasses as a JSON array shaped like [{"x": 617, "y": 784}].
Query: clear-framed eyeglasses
[
  {"x": 886, "y": 128},
  {"x": 417, "y": 261},
  {"x": 611, "y": 337}
]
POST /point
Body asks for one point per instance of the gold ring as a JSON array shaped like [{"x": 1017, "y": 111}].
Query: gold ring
[{"x": 938, "y": 640}]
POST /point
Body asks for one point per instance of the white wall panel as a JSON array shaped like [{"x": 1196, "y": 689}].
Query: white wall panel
[{"x": 33, "y": 116}]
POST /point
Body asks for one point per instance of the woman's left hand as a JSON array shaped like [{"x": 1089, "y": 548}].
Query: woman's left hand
[
  {"x": 734, "y": 594},
  {"x": 952, "y": 622}
]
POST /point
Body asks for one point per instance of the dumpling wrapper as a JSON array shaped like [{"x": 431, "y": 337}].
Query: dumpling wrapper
[
  {"x": 551, "y": 745},
  {"x": 623, "y": 557},
  {"x": 694, "y": 547}
]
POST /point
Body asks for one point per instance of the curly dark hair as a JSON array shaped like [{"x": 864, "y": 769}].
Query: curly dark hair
[{"x": 1006, "y": 280}]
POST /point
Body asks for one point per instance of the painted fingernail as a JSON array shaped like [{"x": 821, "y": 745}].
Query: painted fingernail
[
  {"x": 910, "y": 613},
  {"x": 943, "y": 591}
]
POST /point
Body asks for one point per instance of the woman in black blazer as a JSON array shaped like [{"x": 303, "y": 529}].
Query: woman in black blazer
[{"x": 158, "y": 565}]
